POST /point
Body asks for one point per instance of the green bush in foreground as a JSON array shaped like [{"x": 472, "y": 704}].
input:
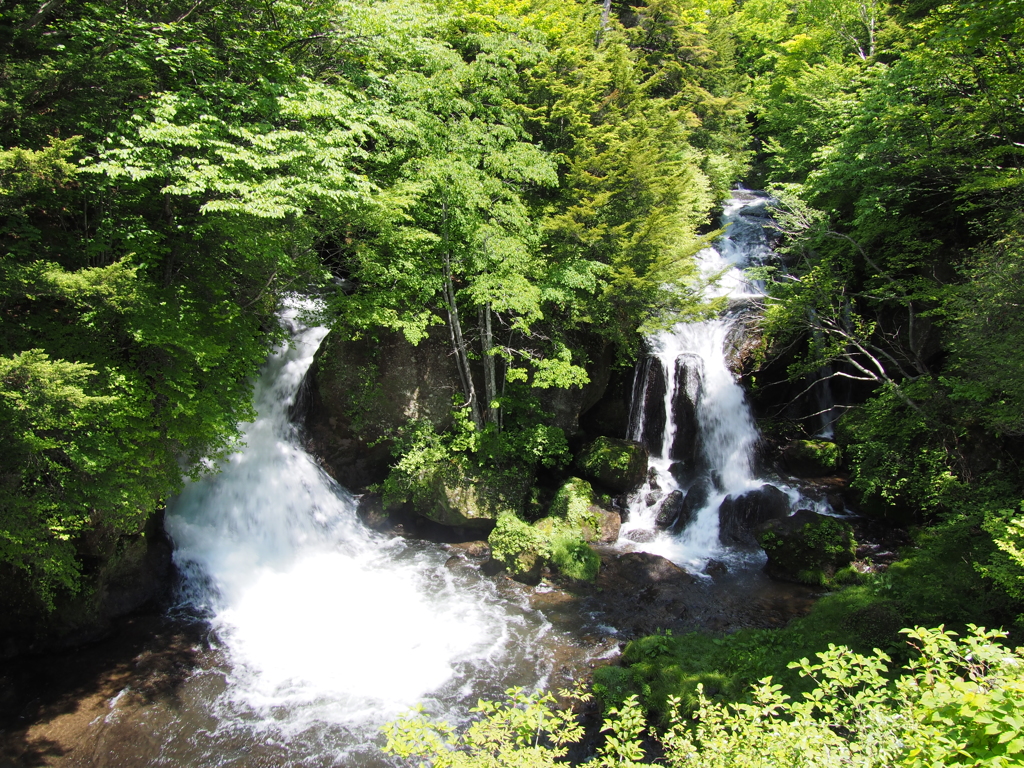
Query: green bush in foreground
[{"x": 959, "y": 702}]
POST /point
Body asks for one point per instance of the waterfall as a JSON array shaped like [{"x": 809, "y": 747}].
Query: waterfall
[
  {"x": 322, "y": 623},
  {"x": 689, "y": 410}
]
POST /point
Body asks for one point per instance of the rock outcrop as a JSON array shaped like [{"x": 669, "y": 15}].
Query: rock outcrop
[
  {"x": 618, "y": 465},
  {"x": 806, "y": 547},
  {"x": 359, "y": 392},
  {"x": 738, "y": 516}
]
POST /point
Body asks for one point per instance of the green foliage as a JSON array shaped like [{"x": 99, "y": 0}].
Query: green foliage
[
  {"x": 957, "y": 702},
  {"x": 574, "y": 503},
  {"x": 811, "y": 554},
  {"x": 900, "y": 460},
  {"x": 517, "y": 544},
  {"x": 168, "y": 172},
  {"x": 526, "y": 729},
  {"x": 558, "y": 541},
  {"x": 574, "y": 558}
]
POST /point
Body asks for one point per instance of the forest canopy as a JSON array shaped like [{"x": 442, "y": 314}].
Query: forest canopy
[{"x": 169, "y": 171}]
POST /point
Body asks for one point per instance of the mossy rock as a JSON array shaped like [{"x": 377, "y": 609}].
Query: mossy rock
[
  {"x": 806, "y": 547},
  {"x": 589, "y": 515},
  {"x": 811, "y": 458},
  {"x": 519, "y": 546},
  {"x": 460, "y": 495},
  {"x": 619, "y": 465},
  {"x": 525, "y": 549}
]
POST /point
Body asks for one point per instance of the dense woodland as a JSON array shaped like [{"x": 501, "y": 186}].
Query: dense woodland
[{"x": 519, "y": 172}]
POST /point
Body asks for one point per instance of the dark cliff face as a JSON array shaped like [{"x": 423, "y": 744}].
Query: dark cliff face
[
  {"x": 121, "y": 575},
  {"x": 359, "y": 393}
]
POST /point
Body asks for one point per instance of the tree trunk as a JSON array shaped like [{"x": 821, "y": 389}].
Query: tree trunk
[
  {"x": 490, "y": 380},
  {"x": 606, "y": 14},
  {"x": 459, "y": 342}
]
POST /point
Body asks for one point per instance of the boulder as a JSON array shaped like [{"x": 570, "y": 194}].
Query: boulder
[
  {"x": 459, "y": 496},
  {"x": 644, "y": 568},
  {"x": 619, "y": 465},
  {"x": 806, "y": 547},
  {"x": 640, "y": 535},
  {"x": 611, "y": 522},
  {"x": 648, "y": 404},
  {"x": 697, "y": 497},
  {"x": 564, "y": 406},
  {"x": 811, "y": 458},
  {"x": 359, "y": 392},
  {"x": 686, "y": 445},
  {"x": 610, "y": 414},
  {"x": 668, "y": 515},
  {"x": 738, "y": 516}
]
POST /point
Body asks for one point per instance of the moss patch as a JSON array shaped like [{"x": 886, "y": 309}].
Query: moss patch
[{"x": 619, "y": 465}]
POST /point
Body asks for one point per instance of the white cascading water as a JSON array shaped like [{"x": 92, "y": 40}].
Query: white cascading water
[
  {"x": 690, "y": 362},
  {"x": 324, "y": 624}
]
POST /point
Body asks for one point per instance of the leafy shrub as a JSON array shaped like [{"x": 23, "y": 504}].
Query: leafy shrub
[{"x": 957, "y": 702}]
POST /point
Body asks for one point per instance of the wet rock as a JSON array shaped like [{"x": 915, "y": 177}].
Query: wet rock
[
  {"x": 686, "y": 445},
  {"x": 715, "y": 568},
  {"x": 611, "y": 522},
  {"x": 619, "y": 465},
  {"x": 653, "y": 498},
  {"x": 738, "y": 516},
  {"x": 652, "y": 479},
  {"x": 683, "y": 474},
  {"x": 697, "y": 497},
  {"x": 640, "y": 535},
  {"x": 806, "y": 547},
  {"x": 811, "y": 458},
  {"x": 648, "y": 399},
  {"x": 492, "y": 567},
  {"x": 477, "y": 550},
  {"x": 644, "y": 569},
  {"x": 668, "y": 515},
  {"x": 370, "y": 510}
]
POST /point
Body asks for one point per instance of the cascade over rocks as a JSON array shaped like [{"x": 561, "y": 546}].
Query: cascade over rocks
[{"x": 738, "y": 516}]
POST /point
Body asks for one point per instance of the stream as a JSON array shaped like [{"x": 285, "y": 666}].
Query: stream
[{"x": 296, "y": 632}]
